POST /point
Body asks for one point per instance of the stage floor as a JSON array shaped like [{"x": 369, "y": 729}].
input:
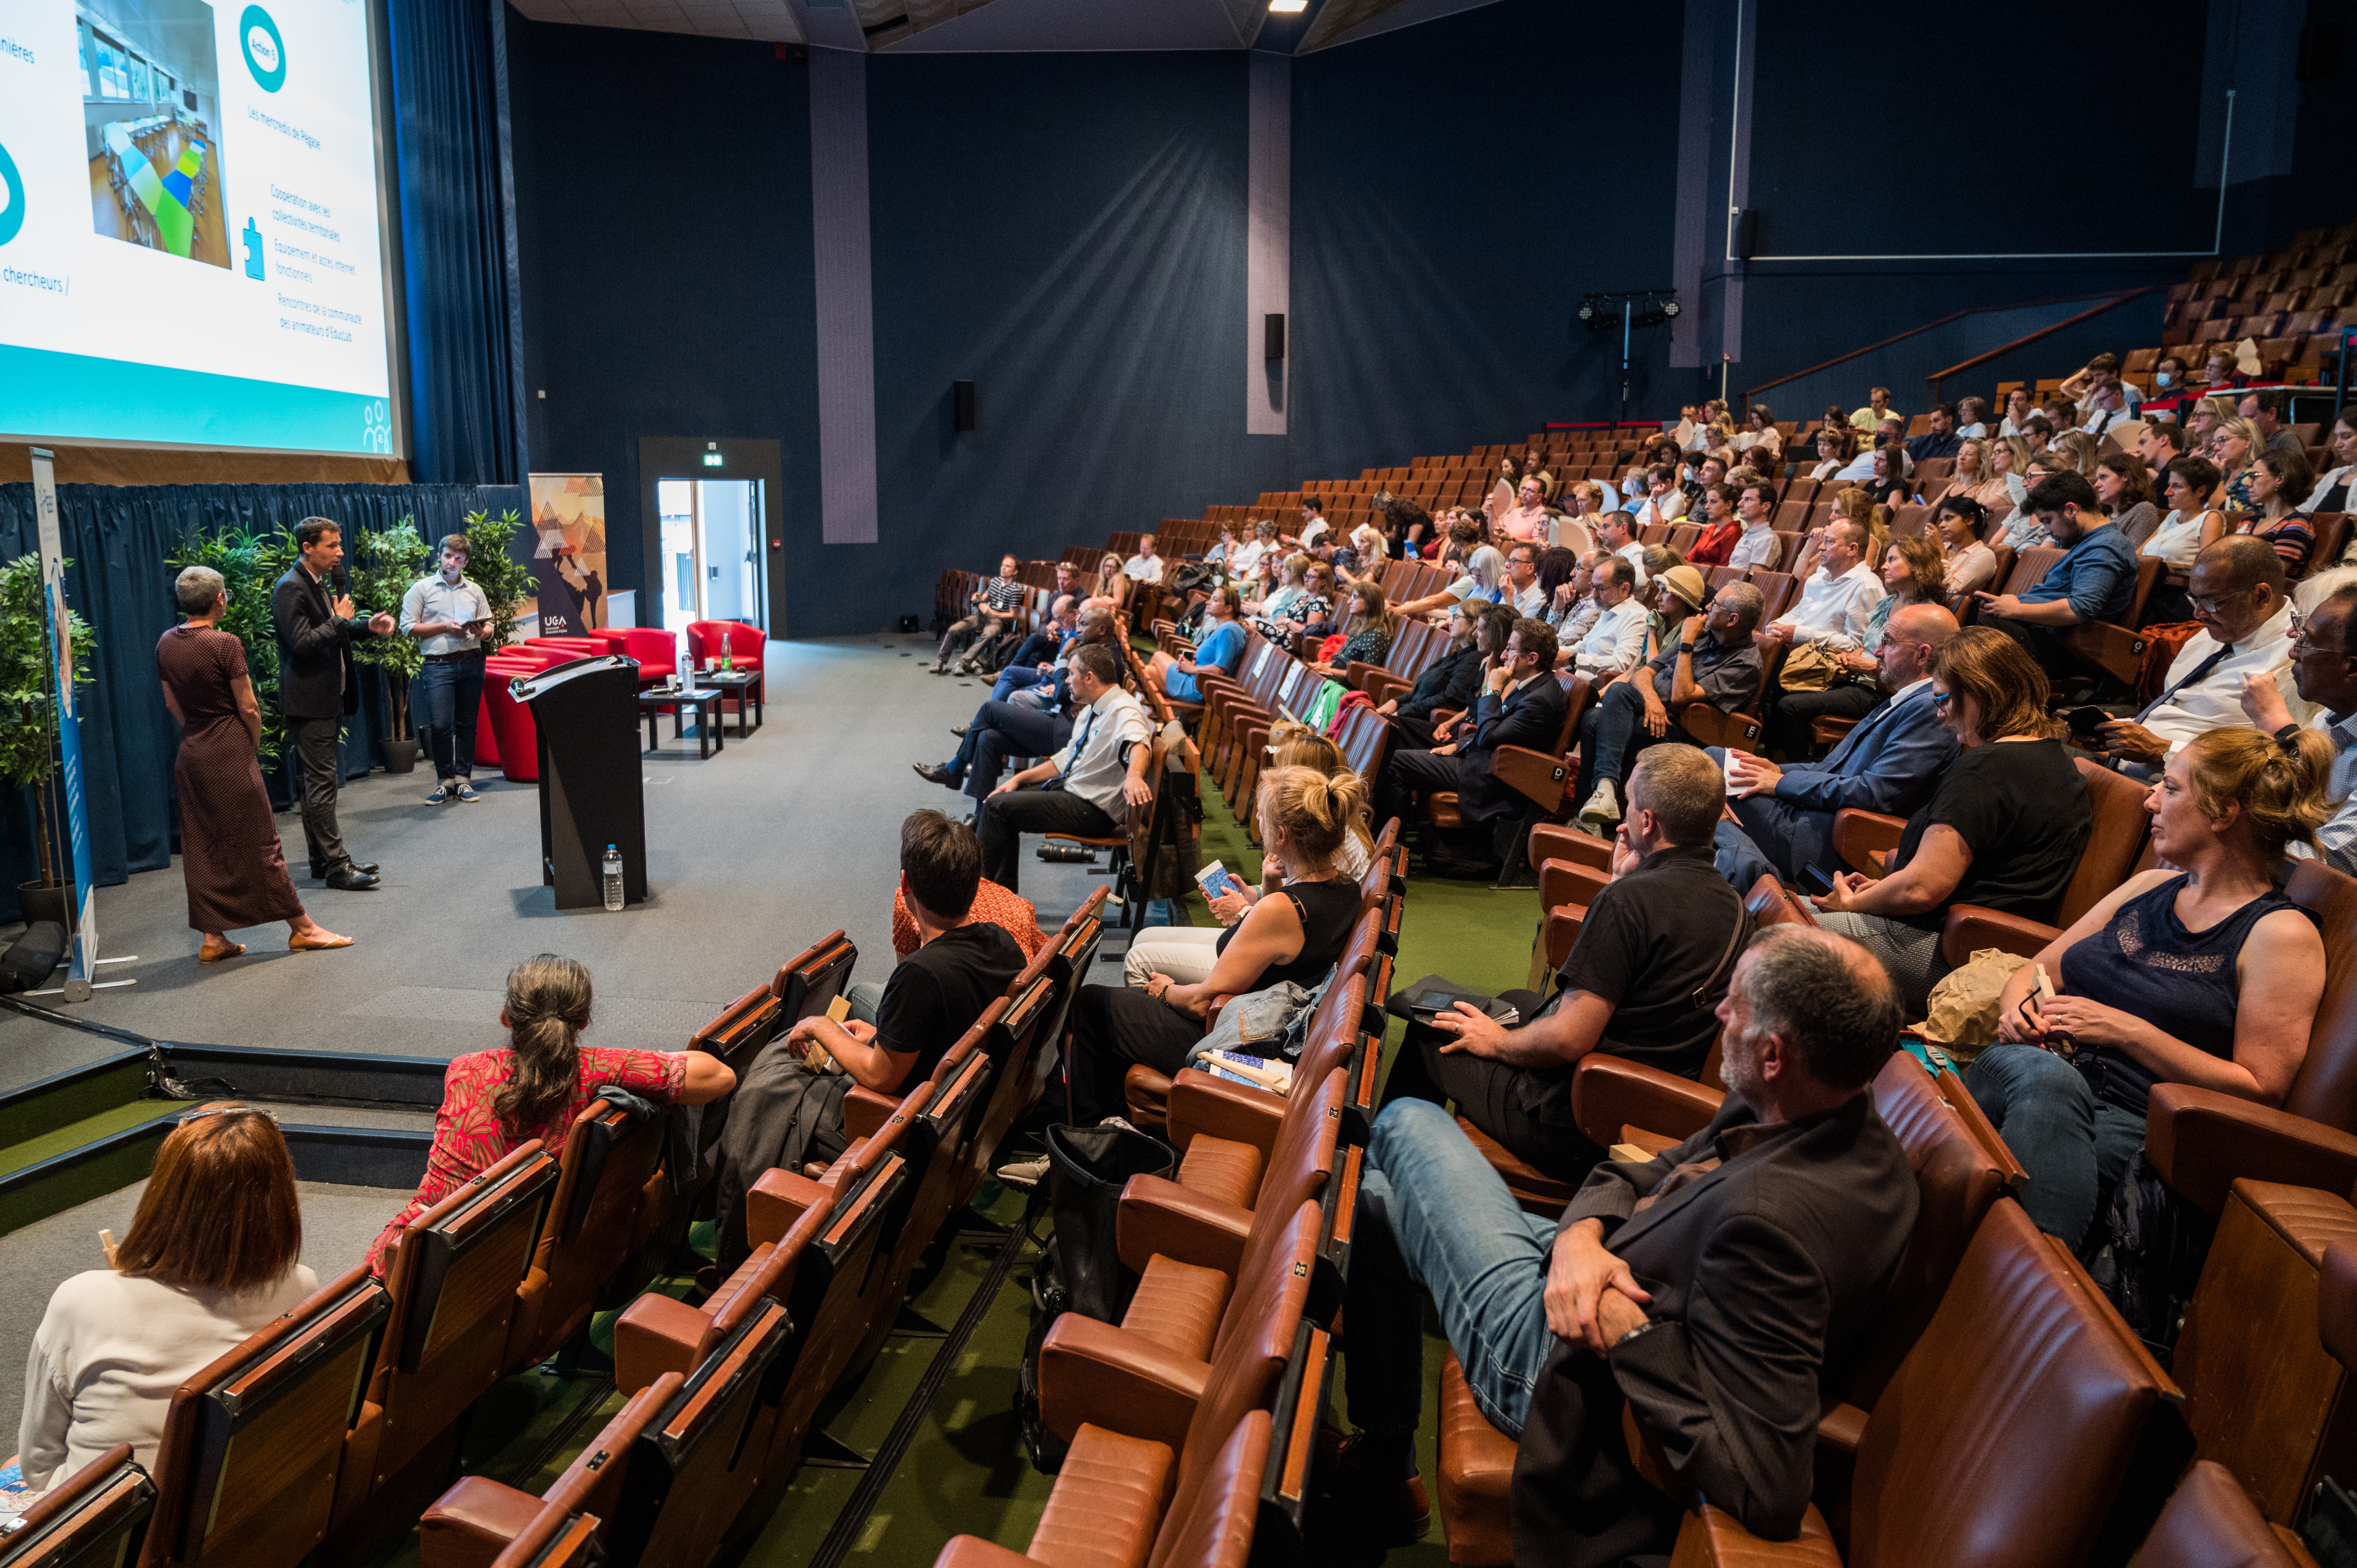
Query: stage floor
[{"x": 752, "y": 855}]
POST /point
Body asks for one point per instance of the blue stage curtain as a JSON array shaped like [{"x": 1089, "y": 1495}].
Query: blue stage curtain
[
  {"x": 458, "y": 243},
  {"x": 118, "y": 537}
]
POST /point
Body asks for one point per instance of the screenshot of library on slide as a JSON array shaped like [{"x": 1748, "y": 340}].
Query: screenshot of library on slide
[{"x": 191, "y": 224}]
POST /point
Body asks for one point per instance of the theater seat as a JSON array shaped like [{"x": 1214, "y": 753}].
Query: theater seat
[
  {"x": 1477, "y": 1473},
  {"x": 2209, "y": 1523},
  {"x": 590, "y": 1227},
  {"x": 475, "y": 1521},
  {"x": 99, "y": 1514}
]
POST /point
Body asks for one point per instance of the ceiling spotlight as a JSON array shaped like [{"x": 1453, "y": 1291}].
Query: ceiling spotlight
[
  {"x": 1670, "y": 307},
  {"x": 1588, "y": 310},
  {"x": 1286, "y": 8}
]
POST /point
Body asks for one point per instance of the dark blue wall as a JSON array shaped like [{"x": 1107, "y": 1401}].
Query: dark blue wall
[{"x": 665, "y": 220}]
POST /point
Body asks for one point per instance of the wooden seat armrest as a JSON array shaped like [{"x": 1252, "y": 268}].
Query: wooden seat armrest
[
  {"x": 1105, "y": 1376},
  {"x": 1356, "y": 673},
  {"x": 1712, "y": 1537},
  {"x": 1381, "y": 686},
  {"x": 1841, "y": 1427},
  {"x": 473, "y": 1523},
  {"x": 777, "y": 1200},
  {"x": 865, "y": 1111},
  {"x": 1158, "y": 1215},
  {"x": 1535, "y": 775},
  {"x": 1710, "y": 726},
  {"x": 1554, "y": 840},
  {"x": 1862, "y": 838},
  {"x": 1608, "y": 1093},
  {"x": 1564, "y": 881},
  {"x": 2115, "y": 650},
  {"x": 2201, "y": 1142},
  {"x": 1971, "y": 927},
  {"x": 1201, "y": 1103},
  {"x": 973, "y": 1551},
  {"x": 655, "y": 1335}
]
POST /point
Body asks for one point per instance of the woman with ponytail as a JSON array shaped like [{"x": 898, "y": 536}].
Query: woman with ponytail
[
  {"x": 2199, "y": 972},
  {"x": 1295, "y": 933},
  {"x": 495, "y": 1101}
]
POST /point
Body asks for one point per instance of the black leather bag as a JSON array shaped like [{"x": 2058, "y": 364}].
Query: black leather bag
[
  {"x": 26, "y": 962},
  {"x": 1081, "y": 1269}
]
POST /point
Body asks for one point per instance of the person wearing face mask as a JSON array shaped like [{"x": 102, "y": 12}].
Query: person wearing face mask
[{"x": 2168, "y": 377}]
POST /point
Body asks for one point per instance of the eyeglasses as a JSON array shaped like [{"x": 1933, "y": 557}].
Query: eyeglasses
[
  {"x": 2207, "y": 604},
  {"x": 1940, "y": 698},
  {"x": 2301, "y": 646}
]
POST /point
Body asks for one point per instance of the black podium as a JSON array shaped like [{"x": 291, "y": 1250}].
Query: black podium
[{"x": 592, "y": 793}]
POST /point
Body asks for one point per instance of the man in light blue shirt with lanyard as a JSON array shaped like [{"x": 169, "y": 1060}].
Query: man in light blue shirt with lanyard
[{"x": 448, "y": 614}]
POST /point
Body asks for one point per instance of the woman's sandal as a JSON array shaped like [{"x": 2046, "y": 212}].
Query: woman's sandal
[
  {"x": 304, "y": 944},
  {"x": 212, "y": 954}
]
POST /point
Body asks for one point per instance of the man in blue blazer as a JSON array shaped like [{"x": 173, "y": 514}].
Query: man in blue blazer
[
  {"x": 1520, "y": 703},
  {"x": 1890, "y": 762}
]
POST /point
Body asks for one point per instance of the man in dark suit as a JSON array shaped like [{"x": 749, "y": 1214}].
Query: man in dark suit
[
  {"x": 1521, "y": 704},
  {"x": 1706, "y": 1289},
  {"x": 1890, "y": 762},
  {"x": 318, "y": 688}
]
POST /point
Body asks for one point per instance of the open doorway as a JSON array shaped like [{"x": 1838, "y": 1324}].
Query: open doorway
[{"x": 710, "y": 551}]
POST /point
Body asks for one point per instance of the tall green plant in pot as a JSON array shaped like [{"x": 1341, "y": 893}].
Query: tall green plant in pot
[
  {"x": 505, "y": 580},
  {"x": 384, "y": 564},
  {"x": 29, "y": 716},
  {"x": 251, "y": 564}
]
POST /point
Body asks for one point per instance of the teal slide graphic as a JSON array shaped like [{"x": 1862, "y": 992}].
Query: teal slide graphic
[
  {"x": 265, "y": 50},
  {"x": 70, "y": 397},
  {"x": 252, "y": 249},
  {"x": 11, "y": 197}
]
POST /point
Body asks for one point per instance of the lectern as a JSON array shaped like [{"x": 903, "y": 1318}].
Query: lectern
[{"x": 591, "y": 791}]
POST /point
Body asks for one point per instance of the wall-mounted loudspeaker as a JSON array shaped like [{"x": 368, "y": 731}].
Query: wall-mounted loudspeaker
[
  {"x": 962, "y": 405},
  {"x": 1271, "y": 337}
]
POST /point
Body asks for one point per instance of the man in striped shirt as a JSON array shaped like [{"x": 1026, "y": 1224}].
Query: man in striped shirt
[{"x": 996, "y": 607}]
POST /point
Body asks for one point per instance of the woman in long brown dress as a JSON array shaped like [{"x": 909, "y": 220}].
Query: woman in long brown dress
[{"x": 230, "y": 854}]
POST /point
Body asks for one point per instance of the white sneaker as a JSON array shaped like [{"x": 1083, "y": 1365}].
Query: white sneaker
[
  {"x": 1024, "y": 1175},
  {"x": 1602, "y": 811},
  {"x": 1120, "y": 1122}
]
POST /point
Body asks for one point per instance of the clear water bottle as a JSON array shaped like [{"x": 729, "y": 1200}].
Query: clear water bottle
[{"x": 613, "y": 871}]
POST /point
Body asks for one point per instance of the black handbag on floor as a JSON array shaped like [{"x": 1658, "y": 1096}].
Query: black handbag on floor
[{"x": 1081, "y": 1269}]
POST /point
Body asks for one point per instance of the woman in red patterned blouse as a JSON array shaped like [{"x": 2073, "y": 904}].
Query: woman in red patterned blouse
[{"x": 495, "y": 1101}]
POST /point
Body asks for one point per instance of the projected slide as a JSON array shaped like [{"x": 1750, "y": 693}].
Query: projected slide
[{"x": 190, "y": 225}]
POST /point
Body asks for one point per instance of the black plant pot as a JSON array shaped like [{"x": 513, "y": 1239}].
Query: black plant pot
[
  {"x": 39, "y": 902},
  {"x": 398, "y": 755}
]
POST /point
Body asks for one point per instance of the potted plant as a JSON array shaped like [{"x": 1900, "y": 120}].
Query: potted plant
[
  {"x": 505, "y": 580},
  {"x": 249, "y": 564},
  {"x": 29, "y": 723},
  {"x": 385, "y": 564}
]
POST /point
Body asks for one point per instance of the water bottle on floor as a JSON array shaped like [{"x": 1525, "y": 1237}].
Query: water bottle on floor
[{"x": 613, "y": 869}]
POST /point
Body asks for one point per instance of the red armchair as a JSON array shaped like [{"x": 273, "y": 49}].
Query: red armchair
[
  {"x": 657, "y": 654},
  {"x": 561, "y": 650},
  {"x": 707, "y": 639},
  {"x": 507, "y": 723}
]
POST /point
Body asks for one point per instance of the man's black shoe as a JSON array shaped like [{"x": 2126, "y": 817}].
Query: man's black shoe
[
  {"x": 1448, "y": 866},
  {"x": 320, "y": 873},
  {"x": 940, "y": 775},
  {"x": 352, "y": 881},
  {"x": 958, "y": 730}
]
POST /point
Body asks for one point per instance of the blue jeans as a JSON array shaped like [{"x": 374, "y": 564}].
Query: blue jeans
[
  {"x": 1433, "y": 1213},
  {"x": 452, "y": 694},
  {"x": 2074, "y": 1146},
  {"x": 1611, "y": 732},
  {"x": 866, "y": 998},
  {"x": 1014, "y": 677}
]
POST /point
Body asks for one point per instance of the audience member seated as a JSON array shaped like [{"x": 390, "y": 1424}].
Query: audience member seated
[
  {"x": 1524, "y": 595},
  {"x": 1033, "y": 721},
  {"x": 1294, "y": 935},
  {"x": 1868, "y": 420},
  {"x": 1367, "y": 633},
  {"x": 1274, "y": 608},
  {"x": 1836, "y": 601},
  {"x": 1034, "y": 660},
  {"x": 2168, "y": 378},
  {"x": 1972, "y": 417},
  {"x": 2264, "y": 411},
  {"x": 2199, "y": 972},
  {"x": 992, "y": 906},
  {"x": 1833, "y": 447},
  {"x": 1219, "y": 647},
  {"x": 2280, "y": 480},
  {"x": 2106, "y": 409},
  {"x": 1721, "y": 529},
  {"x": 1187, "y": 955},
  {"x": 1614, "y": 642},
  {"x": 2156, "y": 444},
  {"x": 539, "y": 1083},
  {"x": 2325, "y": 672},
  {"x": 1759, "y": 441},
  {"x": 2190, "y": 528},
  {"x": 210, "y": 1258},
  {"x": 1145, "y": 566},
  {"x": 1617, "y": 534},
  {"x": 2331, "y": 489},
  {"x": 2235, "y": 447},
  {"x": 1652, "y": 960},
  {"x": 1940, "y": 440},
  {"x": 1755, "y": 509},
  {"x": 2238, "y": 595},
  {"x": 1574, "y": 609},
  {"x": 2018, "y": 407},
  {"x": 1968, "y": 563},
  {"x": 1111, "y": 584},
  {"x": 1445, "y": 689},
  {"x": 1706, "y": 659},
  {"x": 996, "y": 604},
  {"x": 1763, "y": 1244},
  {"x": 1911, "y": 574},
  {"x": 790, "y": 1109},
  {"x": 1975, "y": 475},
  {"x": 2005, "y": 828},
  {"x": 2095, "y": 581},
  {"x": 1098, "y": 776},
  {"x": 2079, "y": 450},
  {"x": 1520, "y": 703},
  {"x": 2082, "y": 385},
  {"x": 1244, "y": 561},
  {"x": 1527, "y": 517},
  {"x": 1664, "y": 500},
  {"x": 2124, "y": 490},
  {"x": 1890, "y": 762}
]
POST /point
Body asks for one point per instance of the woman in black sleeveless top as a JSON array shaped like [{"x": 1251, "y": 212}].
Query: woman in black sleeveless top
[
  {"x": 2205, "y": 976},
  {"x": 1295, "y": 933}
]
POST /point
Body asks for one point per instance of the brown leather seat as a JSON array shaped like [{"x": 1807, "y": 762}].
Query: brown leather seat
[
  {"x": 744, "y": 1028},
  {"x": 1015, "y": 1044},
  {"x": 556, "y": 1539},
  {"x": 479, "y": 1518},
  {"x": 1229, "y": 1134},
  {"x": 814, "y": 978},
  {"x": 2026, "y": 1369},
  {"x": 2199, "y": 1140},
  {"x": 591, "y": 1226},
  {"x": 2210, "y": 1523},
  {"x": 1112, "y": 1490},
  {"x": 245, "y": 1469},
  {"x": 452, "y": 1277},
  {"x": 98, "y": 1514}
]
